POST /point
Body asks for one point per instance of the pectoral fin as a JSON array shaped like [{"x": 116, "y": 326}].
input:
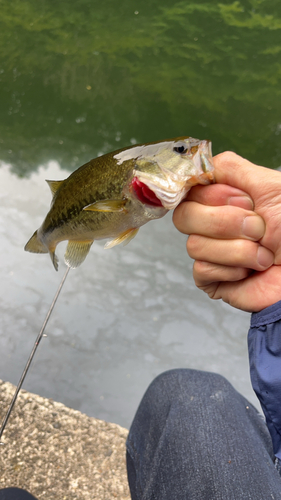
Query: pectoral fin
[
  {"x": 125, "y": 238},
  {"x": 76, "y": 252},
  {"x": 54, "y": 186},
  {"x": 107, "y": 206}
]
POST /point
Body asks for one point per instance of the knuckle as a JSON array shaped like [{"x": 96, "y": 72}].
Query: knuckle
[
  {"x": 211, "y": 290},
  {"x": 193, "y": 245},
  {"x": 199, "y": 267},
  {"x": 176, "y": 215},
  {"x": 213, "y": 293},
  {"x": 219, "y": 223},
  {"x": 242, "y": 249},
  {"x": 180, "y": 217}
]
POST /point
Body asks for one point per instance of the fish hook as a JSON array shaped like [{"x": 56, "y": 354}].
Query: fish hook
[{"x": 37, "y": 341}]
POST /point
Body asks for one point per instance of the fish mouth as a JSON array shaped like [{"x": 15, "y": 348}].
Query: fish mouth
[
  {"x": 145, "y": 194},
  {"x": 168, "y": 189}
]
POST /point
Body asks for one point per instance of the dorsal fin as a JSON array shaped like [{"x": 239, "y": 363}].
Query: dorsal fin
[{"x": 54, "y": 186}]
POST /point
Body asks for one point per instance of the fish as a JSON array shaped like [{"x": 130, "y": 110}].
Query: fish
[{"x": 113, "y": 195}]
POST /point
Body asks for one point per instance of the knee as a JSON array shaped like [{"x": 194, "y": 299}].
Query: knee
[
  {"x": 180, "y": 395},
  {"x": 172, "y": 380},
  {"x": 178, "y": 384}
]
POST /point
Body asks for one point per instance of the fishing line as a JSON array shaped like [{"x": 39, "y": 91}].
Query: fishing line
[{"x": 37, "y": 341}]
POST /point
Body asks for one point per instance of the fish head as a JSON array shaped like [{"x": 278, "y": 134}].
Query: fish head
[{"x": 165, "y": 171}]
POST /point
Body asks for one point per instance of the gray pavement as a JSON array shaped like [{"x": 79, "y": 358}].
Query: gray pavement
[{"x": 57, "y": 453}]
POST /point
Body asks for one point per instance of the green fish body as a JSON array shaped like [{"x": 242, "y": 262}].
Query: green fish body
[{"x": 113, "y": 195}]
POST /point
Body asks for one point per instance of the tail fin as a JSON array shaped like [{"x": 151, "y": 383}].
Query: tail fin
[{"x": 34, "y": 245}]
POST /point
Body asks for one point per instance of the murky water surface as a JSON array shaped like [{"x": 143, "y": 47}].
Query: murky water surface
[
  {"x": 80, "y": 79},
  {"x": 123, "y": 317}
]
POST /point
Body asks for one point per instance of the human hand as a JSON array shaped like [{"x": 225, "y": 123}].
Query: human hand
[{"x": 235, "y": 233}]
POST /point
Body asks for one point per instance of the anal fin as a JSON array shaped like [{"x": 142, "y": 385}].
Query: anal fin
[
  {"x": 124, "y": 238},
  {"x": 107, "y": 206},
  {"x": 76, "y": 252}
]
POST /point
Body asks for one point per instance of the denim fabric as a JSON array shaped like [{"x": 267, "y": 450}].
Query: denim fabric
[
  {"x": 194, "y": 437},
  {"x": 264, "y": 344},
  {"x": 15, "y": 494}
]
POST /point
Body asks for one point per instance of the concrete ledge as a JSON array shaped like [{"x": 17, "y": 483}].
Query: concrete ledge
[{"x": 57, "y": 453}]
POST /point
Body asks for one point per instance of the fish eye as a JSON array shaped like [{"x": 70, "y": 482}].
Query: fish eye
[{"x": 180, "y": 149}]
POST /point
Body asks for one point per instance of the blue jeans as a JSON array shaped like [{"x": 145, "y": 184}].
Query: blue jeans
[
  {"x": 194, "y": 437},
  {"x": 15, "y": 494}
]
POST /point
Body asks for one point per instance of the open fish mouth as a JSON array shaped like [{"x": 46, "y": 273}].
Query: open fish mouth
[
  {"x": 169, "y": 188},
  {"x": 145, "y": 194}
]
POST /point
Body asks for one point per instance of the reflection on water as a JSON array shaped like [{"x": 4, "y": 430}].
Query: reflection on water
[
  {"x": 82, "y": 77},
  {"x": 123, "y": 317}
]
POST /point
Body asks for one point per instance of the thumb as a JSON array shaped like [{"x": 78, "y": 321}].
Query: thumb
[{"x": 235, "y": 171}]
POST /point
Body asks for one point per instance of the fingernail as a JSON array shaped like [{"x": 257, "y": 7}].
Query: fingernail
[
  {"x": 253, "y": 227},
  {"x": 265, "y": 257},
  {"x": 241, "y": 201}
]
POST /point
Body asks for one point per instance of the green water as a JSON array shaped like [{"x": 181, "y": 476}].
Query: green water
[{"x": 82, "y": 78}]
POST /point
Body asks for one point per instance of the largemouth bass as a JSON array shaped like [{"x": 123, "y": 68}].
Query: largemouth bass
[{"x": 112, "y": 196}]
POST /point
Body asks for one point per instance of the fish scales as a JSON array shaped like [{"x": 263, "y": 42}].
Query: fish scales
[{"x": 111, "y": 196}]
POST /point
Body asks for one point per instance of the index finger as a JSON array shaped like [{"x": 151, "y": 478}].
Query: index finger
[{"x": 219, "y": 195}]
